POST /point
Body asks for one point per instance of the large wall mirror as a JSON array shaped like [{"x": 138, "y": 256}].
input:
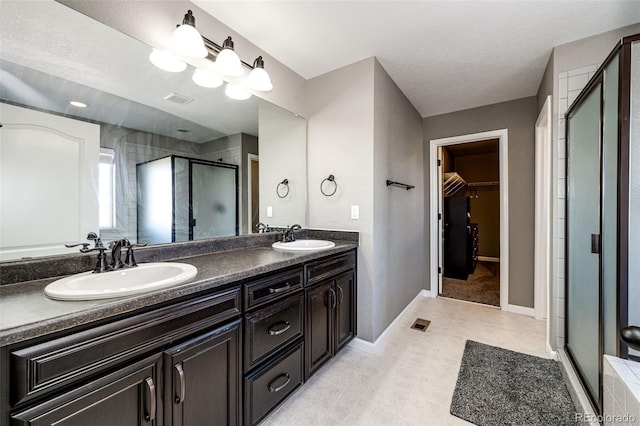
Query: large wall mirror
[{"x": 152, "y": 157}]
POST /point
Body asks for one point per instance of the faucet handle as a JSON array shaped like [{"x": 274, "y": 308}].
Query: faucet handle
[
  {"x": 85, "y": 246},
  {"x": 130, "y": 260}
]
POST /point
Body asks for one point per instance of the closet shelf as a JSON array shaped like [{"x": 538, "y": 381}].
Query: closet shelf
[
  {"x": 482, "y": 184},
  {"x": 453, "y": 183}
]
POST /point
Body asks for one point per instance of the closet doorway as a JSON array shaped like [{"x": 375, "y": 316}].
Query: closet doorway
[
  {"x": 469, "y": 218},
  {"x": 471, "y": 222}
]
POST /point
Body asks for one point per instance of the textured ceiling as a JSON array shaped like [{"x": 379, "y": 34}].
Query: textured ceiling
[{"x": 444, "y": 55}]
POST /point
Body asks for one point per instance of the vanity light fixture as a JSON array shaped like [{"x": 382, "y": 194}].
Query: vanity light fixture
[
  {"x": 187, "y": 40},
  {"x": 228, "y": 62},
  {"x": 206, "y": 79},
  {"x": 258, "y": 78},
  {"x": 236, "y": 92},
  {"x": 78, "y": 104},
  {"x": 166, "y": 61}
]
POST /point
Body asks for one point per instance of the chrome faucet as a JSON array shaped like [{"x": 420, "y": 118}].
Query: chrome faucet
[{"x": 288, "y": 234}]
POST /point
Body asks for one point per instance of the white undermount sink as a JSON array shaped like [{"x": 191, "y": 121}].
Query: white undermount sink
[
  {"x": 122, "y": 282},
  {"x": 303, "y": 245}
]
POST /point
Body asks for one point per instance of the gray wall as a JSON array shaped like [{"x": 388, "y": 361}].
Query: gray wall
[
  {"x": 546, "y": 85},
  {"x": 340, "y": 142},
  {"x": 518, "y": 117},
  {"x": 398, "y": 221},
  {"x": 283, "y": 155},
  {"x": 363, "y": 130}
]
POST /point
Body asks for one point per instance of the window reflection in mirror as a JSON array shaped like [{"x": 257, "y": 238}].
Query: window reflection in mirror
[{"x": 214, "y": 143}]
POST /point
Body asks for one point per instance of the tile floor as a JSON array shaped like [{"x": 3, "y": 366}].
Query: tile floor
[{"x": 411, "y": 379}]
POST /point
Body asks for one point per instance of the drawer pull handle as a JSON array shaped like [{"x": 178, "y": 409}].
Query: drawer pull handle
[
  {"x": 179, "y": 399},
  {"x": 285, "y": 327},
  {"x": 151, "y": 392},
  {"x": 282, "y": 386},
  {"x": 340, "y": 295},
  {"x": 285, "y": 287},
  {"x": 333, "y": 299}
]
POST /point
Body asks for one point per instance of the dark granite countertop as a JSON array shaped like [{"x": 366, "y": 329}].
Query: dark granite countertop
[{"x": 25, "y": 312}]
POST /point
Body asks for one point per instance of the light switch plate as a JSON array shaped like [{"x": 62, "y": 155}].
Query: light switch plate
[
  {"x": 355, "y": 212},
  {"x": 269, "y": 211}
]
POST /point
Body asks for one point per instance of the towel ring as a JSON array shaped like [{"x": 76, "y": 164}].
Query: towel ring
[
  {"x": 279, "y": 192},
  {"x": 331, "y": 178}
]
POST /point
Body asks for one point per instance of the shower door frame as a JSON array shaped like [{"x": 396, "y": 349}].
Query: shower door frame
[{"x": 623, "y": 48}]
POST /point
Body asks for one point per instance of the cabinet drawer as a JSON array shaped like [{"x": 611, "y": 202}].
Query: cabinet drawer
[
  {"x": 56, "y": 363},
  {"x": 274, "y": 287},
  {"x": 328, "y": 267},
  {"x": 265, "y": 389},
  {"x": 270, "y": 328}
]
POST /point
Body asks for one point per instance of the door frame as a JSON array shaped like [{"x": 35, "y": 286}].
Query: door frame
[
  {"x": 543, "y": 218},
  {"x": 435, "y": 207},
  {"x": 250, "y": 158}
]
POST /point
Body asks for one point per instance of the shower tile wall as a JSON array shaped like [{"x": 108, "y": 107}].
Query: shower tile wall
[
  {"x": 570, "y": 84},
  {"x": 621, "y": 391}
]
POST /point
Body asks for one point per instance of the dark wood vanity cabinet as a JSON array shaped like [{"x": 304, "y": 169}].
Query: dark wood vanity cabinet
[
  {"x": 112, "y": 374},
  {"x": 331, "y": 309},
  {"x": 228, "y": 357}
]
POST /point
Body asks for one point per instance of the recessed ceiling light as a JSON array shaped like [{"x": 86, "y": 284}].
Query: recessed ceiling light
[{"x": 78, "y": 104}]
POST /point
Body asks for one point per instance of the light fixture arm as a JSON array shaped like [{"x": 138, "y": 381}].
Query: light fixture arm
[{"x": 216, "y": 48}]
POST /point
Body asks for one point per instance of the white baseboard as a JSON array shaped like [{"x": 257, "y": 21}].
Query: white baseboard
[
  {"x": 522, "y": 310},
  {"x": 551, "y": 353},
  {"x": 372, "y": 348},
  {"x": 489, "y": 259}
]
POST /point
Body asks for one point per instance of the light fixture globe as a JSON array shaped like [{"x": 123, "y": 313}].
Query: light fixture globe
[
  {"x": 228, "y": 61},
  {"x": 166, "y": 61},
  {"x": 258, "y": 78},
  {"x": 187, "y": 40},
  {"x": 206, "y": 79},
  {"x": 236, "y": 92}
]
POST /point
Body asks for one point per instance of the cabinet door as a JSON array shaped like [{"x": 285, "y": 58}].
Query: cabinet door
[
  {"x": 127, "y": 397},
  {"x": 203, "y": 379},
  {"x": 345, "y": 312},
  {"x": 318, "y": 334}
]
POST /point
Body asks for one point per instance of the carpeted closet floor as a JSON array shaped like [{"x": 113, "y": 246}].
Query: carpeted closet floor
[{"x": 483, "y": 286}]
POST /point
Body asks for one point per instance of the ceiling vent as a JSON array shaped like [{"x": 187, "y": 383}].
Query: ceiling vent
[{"x": 177, "y": 98}]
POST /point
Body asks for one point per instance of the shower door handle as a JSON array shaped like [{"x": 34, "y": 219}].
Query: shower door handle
[{"x": 595, "y": 243}]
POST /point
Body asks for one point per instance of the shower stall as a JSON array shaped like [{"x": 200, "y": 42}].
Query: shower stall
[
  {"x": 184, "y": 199},
  {"x": 602, "y": 262}
]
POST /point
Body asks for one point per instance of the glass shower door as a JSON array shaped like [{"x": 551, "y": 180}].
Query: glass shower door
[
  {"x": 214, "y": 201},
  {"x": 584, "y": 332}
]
